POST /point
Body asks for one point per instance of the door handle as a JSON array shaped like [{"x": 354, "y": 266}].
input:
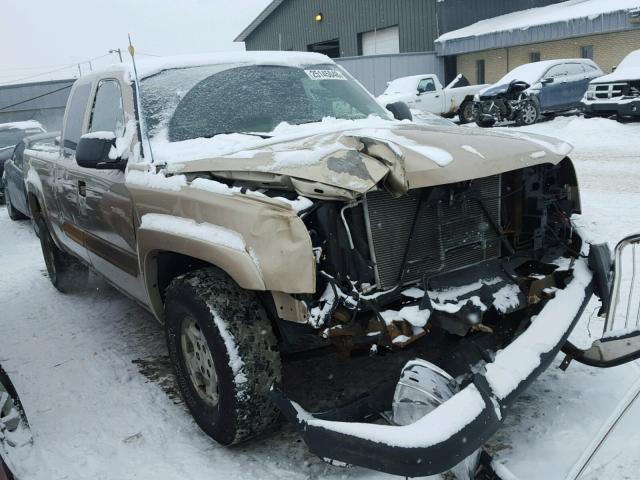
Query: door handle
[{"x": 82, "y": 188}]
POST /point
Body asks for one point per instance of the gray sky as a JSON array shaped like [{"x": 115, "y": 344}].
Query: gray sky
[{"x": 42, "y": 35}]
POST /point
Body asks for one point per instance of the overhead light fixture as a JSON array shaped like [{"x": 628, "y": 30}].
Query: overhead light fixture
[{"x": 318, "y": 17}]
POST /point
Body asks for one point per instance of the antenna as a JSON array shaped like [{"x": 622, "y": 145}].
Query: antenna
[{"x": 143, "y": 131}]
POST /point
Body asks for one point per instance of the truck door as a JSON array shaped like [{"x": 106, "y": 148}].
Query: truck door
[
  {"x": 105, "y": 206},
  {"x": 64, "y": 184},
  {"x": 554, "y": 93},
  {"x": 429, "y": 97}
]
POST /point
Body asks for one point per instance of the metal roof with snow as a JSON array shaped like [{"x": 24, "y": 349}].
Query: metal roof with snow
[{"x": 573, "y": 18}]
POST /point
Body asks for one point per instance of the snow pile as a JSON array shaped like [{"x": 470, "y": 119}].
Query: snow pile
[
  {"x": 206, "y": 232},
  {"x": 412, "y": 314},
  {"x": 524, "y": 19},
  {"x": 156, "y": 181},
  {"x": 299, "y": 204},
  {"x": 507, "y": 298}
]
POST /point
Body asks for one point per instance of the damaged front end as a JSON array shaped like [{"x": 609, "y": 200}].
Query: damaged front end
[
  {"x": 484, "y": 279},
  {"x": 513, "y": 102}
]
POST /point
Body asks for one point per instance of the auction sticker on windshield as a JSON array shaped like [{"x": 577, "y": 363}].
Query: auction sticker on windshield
[{"x": 325, "y": 75}]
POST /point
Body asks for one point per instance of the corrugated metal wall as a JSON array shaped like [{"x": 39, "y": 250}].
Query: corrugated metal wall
[
  {"x": 41, "y": 101},
  {"x": 455, "y": 14},
  {"x": 292, "y": 26},
  {"x": 375, "y": 71}
]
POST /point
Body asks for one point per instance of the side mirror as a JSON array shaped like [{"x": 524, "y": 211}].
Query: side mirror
[
  {"x": 547, "y": 80},
  {"x": 400, "y": 111},
  {"x": 93, "y": 152}
]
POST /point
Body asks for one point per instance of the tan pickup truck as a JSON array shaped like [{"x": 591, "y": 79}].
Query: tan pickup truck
[{"x": 260, "y": 204}]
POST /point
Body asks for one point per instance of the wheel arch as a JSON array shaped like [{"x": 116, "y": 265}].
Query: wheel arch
[{"x": 164, "y": 256}]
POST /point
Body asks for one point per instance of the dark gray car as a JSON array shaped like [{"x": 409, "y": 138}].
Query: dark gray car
[
  {"x": 15, "y": 171},
  {"x": 10, "y": 135}
]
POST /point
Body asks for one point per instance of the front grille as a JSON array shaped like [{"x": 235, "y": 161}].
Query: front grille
[
  {"x": 449, "y": 234},
  {"x": 608, "y": 91}
]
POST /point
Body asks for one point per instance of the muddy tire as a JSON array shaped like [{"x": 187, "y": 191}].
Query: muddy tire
[
  {"x": 13, "y": 213},
  {"x": 224, "y": 354},
  {"x": 466, "y": 113},
  {"x": 66, "y": 272},
  {"x": 528, "y": 114}
]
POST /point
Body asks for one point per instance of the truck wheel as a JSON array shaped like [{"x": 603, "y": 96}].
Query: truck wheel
[
  {"x": 528, "y": 114},
  {"x": 66, "y": 272},
  {"x": 13, "y": 213},
  {"x": 466, "y": 113},
  {"x": 224, "y": 354}
]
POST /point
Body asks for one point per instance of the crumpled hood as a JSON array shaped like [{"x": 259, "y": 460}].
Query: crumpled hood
[{"x": 404, "y": 155}]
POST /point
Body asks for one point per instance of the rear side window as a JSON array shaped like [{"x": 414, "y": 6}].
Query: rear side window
[
  {"x": 107, "y": 114},
  {"x": 75, "y": 116}
]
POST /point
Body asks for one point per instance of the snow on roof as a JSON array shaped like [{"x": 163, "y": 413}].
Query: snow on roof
[
  {"x": 524, "y": 19},
  {"x": 530, "y": 72},
  {"x": 26, "y": 125},
  {"x": 147, "y": 67}
]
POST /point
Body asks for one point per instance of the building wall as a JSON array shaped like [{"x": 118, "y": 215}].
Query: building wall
[
  {"x": 42, "y": 101},
  {"x": 608, "y": 51},
  {"x": 292, "y": 26}
]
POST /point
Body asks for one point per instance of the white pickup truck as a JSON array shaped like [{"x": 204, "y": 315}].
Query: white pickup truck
[{"x": 426, "y": 93}]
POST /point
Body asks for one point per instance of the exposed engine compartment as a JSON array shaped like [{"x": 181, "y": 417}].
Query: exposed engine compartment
[
  {"x": 502, "y": 103},
  {"x": 457, "y": 257}
]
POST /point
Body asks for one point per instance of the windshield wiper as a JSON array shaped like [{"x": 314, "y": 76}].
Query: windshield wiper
[{"x": 253, "y": 134}]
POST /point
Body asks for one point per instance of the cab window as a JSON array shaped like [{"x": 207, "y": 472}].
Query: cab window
[
  {"x": 18, "y": 154},
  {"x": 426, "y": 85},
  {"x": 107, "y": 114},
  {"x": 75, "y": 116}
]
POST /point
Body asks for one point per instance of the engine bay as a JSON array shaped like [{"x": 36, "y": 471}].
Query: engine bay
[{"x": 476, "y": 256}]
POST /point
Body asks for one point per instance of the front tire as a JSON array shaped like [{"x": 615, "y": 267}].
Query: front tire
[
  {"x": 466, "y": 113},
  {"x": 66, "y": 272},
  {"x": 528, "y": 114},
  {"x": 224, "y": 354}
]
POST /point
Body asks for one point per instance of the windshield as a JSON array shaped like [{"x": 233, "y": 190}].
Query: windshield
[{"x": 187, "y": 103}]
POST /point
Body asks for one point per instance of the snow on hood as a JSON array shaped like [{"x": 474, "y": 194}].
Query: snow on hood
[
  {"x": 355, "y": 155},
  {"x": 629, "y": 69}
]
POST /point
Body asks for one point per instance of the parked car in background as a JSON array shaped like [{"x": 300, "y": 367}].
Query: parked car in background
[
  {"x": 617, "y": 93},
  {"x": 10, "y": 136},
  {"x": 425, "y": 93},
  {"x": 535, "y": 89},
  {"x": 15, "y": 170}
]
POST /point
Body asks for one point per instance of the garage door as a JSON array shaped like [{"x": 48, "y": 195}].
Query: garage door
[{"x": 382, "y": 41}]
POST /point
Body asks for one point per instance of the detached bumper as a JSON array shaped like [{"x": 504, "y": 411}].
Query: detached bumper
[
  {"x": 461, "y": 425},
  {"x": 624, "y": 108}
]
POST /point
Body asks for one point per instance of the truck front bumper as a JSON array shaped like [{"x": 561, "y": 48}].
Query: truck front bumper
[
  {"x": 625, "y": 108},
  {"x": 461, "y": 425}
]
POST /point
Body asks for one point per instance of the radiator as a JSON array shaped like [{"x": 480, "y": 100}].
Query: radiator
[{"x": 449, "y": 234}]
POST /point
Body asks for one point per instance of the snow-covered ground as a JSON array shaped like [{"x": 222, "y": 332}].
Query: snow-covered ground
[{"x": 93, "y": 376}]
